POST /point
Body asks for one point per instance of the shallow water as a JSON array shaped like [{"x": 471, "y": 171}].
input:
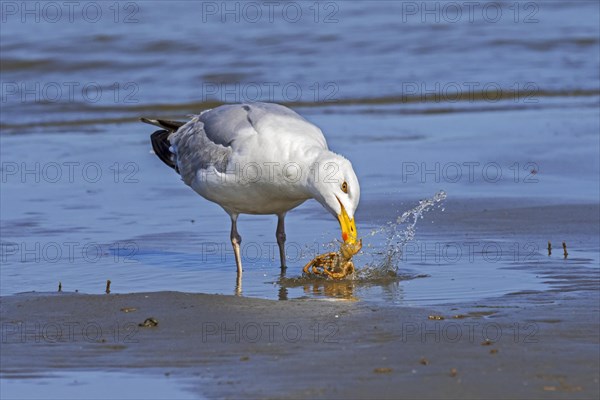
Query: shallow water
[
  {"x": 129, "y": 60},
  {"x": 102, "y": 384},
  {"x": 140, "y": 227},
  {"x": 501, "y": 114}
]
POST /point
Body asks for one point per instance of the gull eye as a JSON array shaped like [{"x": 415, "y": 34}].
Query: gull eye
[{"x": 345, "y": 187}]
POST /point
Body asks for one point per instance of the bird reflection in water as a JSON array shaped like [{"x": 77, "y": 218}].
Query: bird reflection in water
[
  {"x": 318, "y": 287},
  {"x": 330, "y": 288}
]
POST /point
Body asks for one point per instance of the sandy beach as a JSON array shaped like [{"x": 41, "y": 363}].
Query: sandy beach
[{"x": 228, "y": 347}]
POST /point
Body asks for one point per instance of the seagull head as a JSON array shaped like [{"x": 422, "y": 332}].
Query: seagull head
[{"x": 334, "y": 184}]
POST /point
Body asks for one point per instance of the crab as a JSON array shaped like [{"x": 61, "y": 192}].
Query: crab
[{"x": 336, "y": 264}]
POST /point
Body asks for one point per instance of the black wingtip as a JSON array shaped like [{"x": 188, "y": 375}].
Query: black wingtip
[
  {"x": 163, "y": 123},
  {"x": 161, "y": 145}
]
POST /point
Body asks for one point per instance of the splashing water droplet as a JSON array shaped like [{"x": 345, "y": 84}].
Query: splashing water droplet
[{"x": 397, "y": 234}]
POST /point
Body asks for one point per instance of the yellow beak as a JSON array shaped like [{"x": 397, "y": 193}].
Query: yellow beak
[{"x": 349, "y": 234}]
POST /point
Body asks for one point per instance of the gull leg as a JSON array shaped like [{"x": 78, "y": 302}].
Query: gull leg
[
  {"x": 236, "y": 239},
  {"x": 280, "y": 234}
]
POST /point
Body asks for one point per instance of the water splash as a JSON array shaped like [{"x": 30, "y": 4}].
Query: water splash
[
  {"x": 397, "y": 233},
  {"x": 384, "y": 267}
]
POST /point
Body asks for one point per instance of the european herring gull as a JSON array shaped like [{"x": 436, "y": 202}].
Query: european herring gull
[{"x": 259, "y": 158}]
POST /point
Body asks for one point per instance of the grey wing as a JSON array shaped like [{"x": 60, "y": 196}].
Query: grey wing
[
  {"x": 211, "y": 138},
  {"x": 230, "y": 123},
  {"x": 195, "y": 151}
]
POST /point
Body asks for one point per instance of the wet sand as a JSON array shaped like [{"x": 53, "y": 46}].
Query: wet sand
[{"x": 524, "y": 345}]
